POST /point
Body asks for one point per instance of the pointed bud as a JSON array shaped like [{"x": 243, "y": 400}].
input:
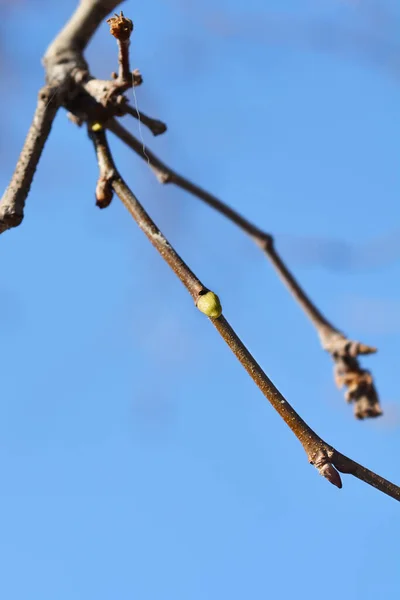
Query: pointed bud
[{"x": 329, "y": 472}]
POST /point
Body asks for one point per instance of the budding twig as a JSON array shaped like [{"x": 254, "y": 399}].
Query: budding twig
[
  {"x": 323, "y": 456},
  {"x": 344, "y": 352}
]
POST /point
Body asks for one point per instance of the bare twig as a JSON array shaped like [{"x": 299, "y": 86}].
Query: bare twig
[
  {"x": 156, "y": 127},
  {"x": 344, "y": 352},
  {"x": 323, "y": 456},
  {"x": 13, "y": 201}
]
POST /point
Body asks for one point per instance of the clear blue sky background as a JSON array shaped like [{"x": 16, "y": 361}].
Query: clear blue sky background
[{"x": 138, "y": 460}]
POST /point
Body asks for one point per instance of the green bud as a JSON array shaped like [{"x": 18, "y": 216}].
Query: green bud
[{"x": 210, "y": 305}]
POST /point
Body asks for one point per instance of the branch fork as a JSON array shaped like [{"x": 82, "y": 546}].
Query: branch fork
[{"x": 70, "y": 84}]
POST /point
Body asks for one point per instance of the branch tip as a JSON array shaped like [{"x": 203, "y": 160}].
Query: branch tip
[
  {"x": 120, "y": 27},
  {"x": 104, "y": 192},
  {"x": 348, "y": 373},
  {"x": 156, "y": 127},
  {"x": 13, "y": 201}
]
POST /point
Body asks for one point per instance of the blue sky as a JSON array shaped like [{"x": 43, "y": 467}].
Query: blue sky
[{"x": 138, "y": 460}]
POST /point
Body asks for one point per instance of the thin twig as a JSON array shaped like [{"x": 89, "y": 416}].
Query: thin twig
[
  {"x": 121, "y": 28},
  {"x": 13, "y": 201},
  {"x": 323, "y": 456},
  {"x": 347, "y": 370},
  {"x": 156, "y": 127}
]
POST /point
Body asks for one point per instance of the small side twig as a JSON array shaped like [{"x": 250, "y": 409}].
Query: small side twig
[
  {"x": 347, "y": 370},
  {"x": 156, "y": 127},
  {"x": 324, "y": 457},
  {"x": 13, "y": 201},
  {"x": 121, "y": 28}
]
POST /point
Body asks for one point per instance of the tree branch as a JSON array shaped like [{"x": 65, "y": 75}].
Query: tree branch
[
  {"x": 347, "y": 370},
  {"x": 323, "y": 456},
  {"x": 64, "y": 64},
  {"x": 13, "y": 200},
  {"x": 70, "y": 84}
]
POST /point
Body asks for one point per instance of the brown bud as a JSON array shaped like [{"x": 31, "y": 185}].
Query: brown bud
[
  {"x": 104, "y": 193},
  {"x": 329, "y": 472},
  {"x": 137, "y": 78},
  {"x": 120, "y": 27}
]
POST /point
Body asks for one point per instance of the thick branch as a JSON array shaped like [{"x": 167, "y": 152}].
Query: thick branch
[
  {"x": 13, "y": 201},
  {"x": 319, "y": 453},
  {"x": 343, "y": 351}
]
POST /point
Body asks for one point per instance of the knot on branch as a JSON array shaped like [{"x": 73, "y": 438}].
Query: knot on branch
[
  {"x": 265, "y": 241},
  {"x": 348, "y": 373},
  {"x": 163, "y": 176},
  {"x": 137, "y": 78},
  {"x": 9, "y": 218}
]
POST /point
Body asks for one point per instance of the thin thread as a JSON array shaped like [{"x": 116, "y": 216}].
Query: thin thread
[
  {"x": 52, "y": 96},
  {"x": 140, "y": 127}
]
